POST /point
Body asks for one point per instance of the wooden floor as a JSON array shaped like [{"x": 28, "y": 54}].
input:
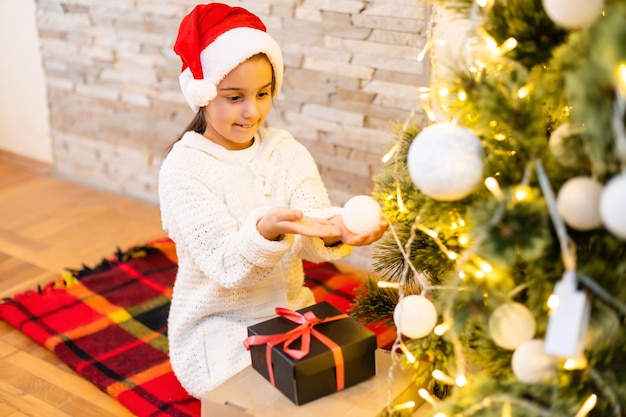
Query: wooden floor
[{"x": 46, "y": 225}]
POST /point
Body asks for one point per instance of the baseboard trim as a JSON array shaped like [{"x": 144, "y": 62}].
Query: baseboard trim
[{"x": 23, "y": 162}]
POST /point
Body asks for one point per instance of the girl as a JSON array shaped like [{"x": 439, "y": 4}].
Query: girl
[{"x": 243, "y": 203}]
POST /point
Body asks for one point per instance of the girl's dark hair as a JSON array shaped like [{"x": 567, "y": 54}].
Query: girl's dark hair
[{"x": 198, "y": 124}]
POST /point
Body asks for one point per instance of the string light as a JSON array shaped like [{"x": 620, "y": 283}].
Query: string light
[
  {"x": 507, "y": 46},
  {"x": 525, "y": 91},
  {"x": 573, "y": 364},
  {"x": 621, "y": 78},
  {"x": 442, "y": 377},
  {"x": 462, "y": 95},
  {"x": 428, "y": 397},
  {"x": 553, "y": 301},
  {"x": 522, "y": 192},
  {"x": 404, "y": 406},
  {"x": 441, "y": 329},
  {"x": 587, "y": 406},
  {"x": 409, "y": 356},
  {"x": 388, "y": 284},
  {"x": 507, "y": 410},
  {"x": 461, "y": 381},
  {"x": 391, "y": 152},
  {"x": 492, "y": 185},
  {"x": 463, "y": 240}
]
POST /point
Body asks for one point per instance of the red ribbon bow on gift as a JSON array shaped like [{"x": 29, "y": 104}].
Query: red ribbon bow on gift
[{"x": 304, "y": 331}]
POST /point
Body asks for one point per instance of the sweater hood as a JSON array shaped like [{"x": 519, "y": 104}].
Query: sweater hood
[{"x": 266, "y": 140}]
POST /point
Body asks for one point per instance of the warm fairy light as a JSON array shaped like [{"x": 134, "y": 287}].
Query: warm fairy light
[
  {"x": 462, "y": 275},
  {"x": 621, "y": 78},
  {"x": 525, "y": 91},
  {"x": 553, "y": 301},
  {"x": 490, "y": 42},
  {"x": 507, "y": 410},
  {"x": 391, "y": 152},
  {"x": 492, "y": 185},
  {"x": 461, "y": 222},
  {"x": 452, "y": 255},
  {"x": 441, "y": 329},
  {"x": 454, "y": 226},
  {"x": 400, "y": 202},
  {"x": 507, "y": 46},
  {"x": 485, "y": 266},
  {"x": 463, "y": 240},
  {"x": 461, "y": 381},
  {"x": 440, "y": 415},
  {"x": 432, "y": 233},
  {"x": 440, "y": 376},
  {"x": 499, "y": 137},
  {"x": 573, "y": 364},
  {"x": 482, "y": 3},
  {"x": 388, "y": 284},
  {"x": 427, "y": 397},
  {"x": 521, "y": 192},
  {"x": 409, "y": 356},
  {"x": 479, "y": 274},
  {"x": 443, "y": 92},
  {"x": 404, "y": 406},
  {"x": 588, "y": 405},
  {"x": 462, "y": 95}
]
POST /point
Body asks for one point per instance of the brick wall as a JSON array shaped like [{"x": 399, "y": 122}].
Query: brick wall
[{"x": 115, "y": 104}]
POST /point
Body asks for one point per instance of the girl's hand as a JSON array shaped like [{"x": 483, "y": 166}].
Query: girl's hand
[
  {"x": 353, "y": 239},
  {"x": 280, "y": 220}
]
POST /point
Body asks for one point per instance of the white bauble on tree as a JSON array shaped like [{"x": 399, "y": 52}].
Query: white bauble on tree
[
  {"x": 531, "y": 364},
  {"x": 415, "y": 316},
  {"x": 578, "y": 203},
  {"x": 361, "y": 214},
  {"x": 445, "y": 161},
  {"x": 572, "y": 14},
  {"x": 511, "y": 324},
  {"x": 613, "y": 206}
]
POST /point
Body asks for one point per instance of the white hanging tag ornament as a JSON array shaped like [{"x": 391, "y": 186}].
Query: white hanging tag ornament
[{"x": 569, "y": 319}]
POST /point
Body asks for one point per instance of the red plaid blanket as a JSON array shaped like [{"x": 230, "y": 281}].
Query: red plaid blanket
[{"x": 109, "y": 324}]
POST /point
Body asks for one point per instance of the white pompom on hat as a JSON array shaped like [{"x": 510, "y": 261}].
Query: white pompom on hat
[{"x": 213, "y": 39}]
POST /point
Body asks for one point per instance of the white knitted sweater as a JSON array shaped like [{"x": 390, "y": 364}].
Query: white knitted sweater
[{"x": 229, "y": 276}]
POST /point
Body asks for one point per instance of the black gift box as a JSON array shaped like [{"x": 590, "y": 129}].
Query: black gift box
[{"x": 314, "y": 376}]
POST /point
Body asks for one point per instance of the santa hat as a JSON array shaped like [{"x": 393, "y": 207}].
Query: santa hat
[{"x": 215, "y": 38}]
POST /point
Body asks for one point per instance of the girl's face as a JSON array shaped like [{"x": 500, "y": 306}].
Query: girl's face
[{"x": 243, "y": 101}]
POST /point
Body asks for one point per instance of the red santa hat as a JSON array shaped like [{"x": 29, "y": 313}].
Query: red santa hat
[{"x": 213, "y": 39}]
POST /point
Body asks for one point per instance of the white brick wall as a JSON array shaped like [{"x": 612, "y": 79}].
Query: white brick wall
[{"x": 115, "y": 104}]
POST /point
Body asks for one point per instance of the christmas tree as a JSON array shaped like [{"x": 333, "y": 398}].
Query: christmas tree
[{"x": 504, "y": 268}]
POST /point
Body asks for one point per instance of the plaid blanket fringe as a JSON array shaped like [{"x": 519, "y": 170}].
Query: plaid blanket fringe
[{"x": 109, "y": 323}]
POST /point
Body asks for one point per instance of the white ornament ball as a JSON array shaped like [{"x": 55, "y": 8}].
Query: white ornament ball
[
  {"x": 512, "y": 324},
  {"x": 558, "y": 148},
  {"x": 572, "y": 14},
  {"x": 578, "y": 203},
  {"x": 415, "y": 316},
  {"x": 531, "y": 364},
  {"x": 445, "y": 161},
  {"x": 361, "y": 214},
  {"x": 613, "y": 206}
]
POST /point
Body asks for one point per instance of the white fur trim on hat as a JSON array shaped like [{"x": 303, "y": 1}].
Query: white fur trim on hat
[{"x": 223, "y": 55}]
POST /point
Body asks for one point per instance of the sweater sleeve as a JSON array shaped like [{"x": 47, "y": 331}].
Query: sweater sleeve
[
  {"x": 309, "y": 194},
  {"x": 197, "y": 219}
]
